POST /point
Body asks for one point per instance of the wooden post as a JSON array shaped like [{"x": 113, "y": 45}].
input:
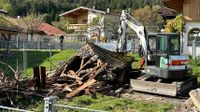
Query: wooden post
[
  {"x": 36, "y": 73},
  {"x": 43, "y": 76}
]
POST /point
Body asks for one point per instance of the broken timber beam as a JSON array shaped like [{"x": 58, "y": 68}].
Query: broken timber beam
[
  {"x": 89, "y": 61},
  {"x": 82, "y": 62},
  {"x": 103, "y": 66},
  {"x": 75, "y": 76},
  {"x": 85, "y": 85},
  {"x": 95, "y": 68}
]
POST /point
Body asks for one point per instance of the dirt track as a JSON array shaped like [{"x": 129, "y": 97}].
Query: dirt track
[{"x": 178, "y": 102}]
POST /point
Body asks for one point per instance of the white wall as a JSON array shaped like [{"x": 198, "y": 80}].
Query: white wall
[{"x": 188, "y": 49}]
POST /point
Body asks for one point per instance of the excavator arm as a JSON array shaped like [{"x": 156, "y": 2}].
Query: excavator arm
[{"x": 127, "y": 20}]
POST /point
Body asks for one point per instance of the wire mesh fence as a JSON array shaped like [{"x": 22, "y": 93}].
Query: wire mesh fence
[{"x": 23, "y": 55}]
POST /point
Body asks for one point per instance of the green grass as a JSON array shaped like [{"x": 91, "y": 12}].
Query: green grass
[
  {"x": 107, "y": 103},
  {"x": 195, "y": 64},
  {"x": 35, "y": 58},
  {"x": 112, "y": 104}
]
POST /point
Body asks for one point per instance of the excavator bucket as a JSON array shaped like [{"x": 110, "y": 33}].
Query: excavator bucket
[{"x": 159, "y": 86}]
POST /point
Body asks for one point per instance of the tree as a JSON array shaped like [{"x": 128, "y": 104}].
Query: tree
[
  {"x": 112, "y": 24},
  {"x": 31, "y": 23},
  {"x": 61, "y": 24},
  {"x": 175, "y": 25},
  {"x": 4, "y": 4},
  {"x": 148, "y": 17}
]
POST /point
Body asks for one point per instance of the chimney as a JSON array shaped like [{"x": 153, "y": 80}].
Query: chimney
[
  {"x": 93, "y": 7},
  {"x": 108, "y": 10}
]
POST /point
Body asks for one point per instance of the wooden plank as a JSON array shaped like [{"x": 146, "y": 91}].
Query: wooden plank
[
  {"x": 195, "y": 96},
  {"x": 88, "y": 83},
  {"x": 98, "y": 71},
  {"x": 67, "y": 88},
  {"x": 58, "y": 85},
  {"x": 89, "y": 61},
  {"x": 95, "y": 68},
  {"x": 82, "y": 62},
  {"x": 75, "y": 76}
]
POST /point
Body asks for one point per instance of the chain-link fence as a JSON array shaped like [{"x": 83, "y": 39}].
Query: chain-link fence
[{"x": 23, "y": 55}]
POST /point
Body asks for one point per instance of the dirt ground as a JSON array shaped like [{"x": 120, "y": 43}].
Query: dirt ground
[{"x": 178, "y": 102}]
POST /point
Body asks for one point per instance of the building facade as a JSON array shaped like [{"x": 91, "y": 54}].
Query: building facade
[
  {"x": 191, "y": 31},
  {"x": 88, "y": 22}
]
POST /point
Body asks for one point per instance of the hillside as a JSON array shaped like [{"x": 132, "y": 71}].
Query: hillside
[{"x": 52, "y": 8}]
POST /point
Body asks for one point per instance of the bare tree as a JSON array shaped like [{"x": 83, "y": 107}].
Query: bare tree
[
  {"x": 112, "y": 24},
  {"x": 31, "y": 23}
]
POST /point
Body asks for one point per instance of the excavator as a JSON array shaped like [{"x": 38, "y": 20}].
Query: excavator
[{"x": 166, "y": 70}]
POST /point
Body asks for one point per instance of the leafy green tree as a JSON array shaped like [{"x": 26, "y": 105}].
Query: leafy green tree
[{"x": 4, "y": 4}]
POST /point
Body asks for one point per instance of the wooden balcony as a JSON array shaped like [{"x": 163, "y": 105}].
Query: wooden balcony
[{"x": 77, "y": 27}]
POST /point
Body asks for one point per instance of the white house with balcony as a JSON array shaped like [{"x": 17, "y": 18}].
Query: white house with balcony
[{"x": 87, "y": 22}]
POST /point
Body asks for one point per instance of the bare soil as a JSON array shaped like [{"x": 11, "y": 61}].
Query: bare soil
[{"x": 178, "y": 102}]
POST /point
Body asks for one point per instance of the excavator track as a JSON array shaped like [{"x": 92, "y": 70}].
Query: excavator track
[{"x": 159, "y": 86}]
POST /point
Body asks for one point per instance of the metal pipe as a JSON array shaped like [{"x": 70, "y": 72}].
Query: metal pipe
[
  {"x": 78, "y": 108},
  {"x": 15, "y": 109}
]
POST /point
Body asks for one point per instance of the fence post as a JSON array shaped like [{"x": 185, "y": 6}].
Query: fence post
[
  {"x": 49, "y": 104},
  {"x": 194, "y": 49}
]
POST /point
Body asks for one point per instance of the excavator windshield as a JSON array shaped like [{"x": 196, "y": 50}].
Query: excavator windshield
[
  {"x": 169, "y": 44},
  {"x": 174, "y": 46}
]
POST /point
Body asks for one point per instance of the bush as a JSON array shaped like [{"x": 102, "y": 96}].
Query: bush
[{"x": 195, "y": 62}]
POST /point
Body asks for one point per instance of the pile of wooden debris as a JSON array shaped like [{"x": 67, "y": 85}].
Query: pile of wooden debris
[
  {"x": 91, "y": 69},
  {"x": 193, "y": 103}
]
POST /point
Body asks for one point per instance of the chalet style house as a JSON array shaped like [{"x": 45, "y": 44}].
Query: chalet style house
[
  {"x": 191, "y": 31},
  {"x": 88, "y": 22}
]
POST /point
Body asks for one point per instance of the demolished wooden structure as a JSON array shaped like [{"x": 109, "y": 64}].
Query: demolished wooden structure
[{"x": 91, "y": 68}]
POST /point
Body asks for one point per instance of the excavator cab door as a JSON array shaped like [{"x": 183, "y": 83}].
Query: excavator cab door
[{"x": 167, "y": 44}]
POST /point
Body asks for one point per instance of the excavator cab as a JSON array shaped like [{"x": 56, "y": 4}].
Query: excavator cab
[
  {"x": 166, "y": 61},
  {"x": 168, "y": 44}
]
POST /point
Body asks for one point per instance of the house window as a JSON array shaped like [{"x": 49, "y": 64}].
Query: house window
[{"x": 194, "y": 35}]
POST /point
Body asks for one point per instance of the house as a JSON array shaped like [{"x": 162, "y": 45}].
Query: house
[
  {"x": 89, "y": 22},
  {"x": 7, "y": 30},
  {"x": 191, "y": 31},
  {"x": 167, "y": 13},
  {"x": 39, "y": 38}
]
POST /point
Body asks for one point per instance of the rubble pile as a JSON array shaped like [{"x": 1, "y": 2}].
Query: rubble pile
[
  {"x": 91, "y": 69},
  {"x": 193, "y": 103}
]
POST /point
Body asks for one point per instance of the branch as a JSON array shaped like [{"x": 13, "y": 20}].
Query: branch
[{"x": 10, "y": 68}]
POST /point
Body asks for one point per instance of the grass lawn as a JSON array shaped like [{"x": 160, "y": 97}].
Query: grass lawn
[
  {"x": 36, "y": 58},
  {"x": 111, "y": 104},
  {"x": 106, "y": 103}
]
